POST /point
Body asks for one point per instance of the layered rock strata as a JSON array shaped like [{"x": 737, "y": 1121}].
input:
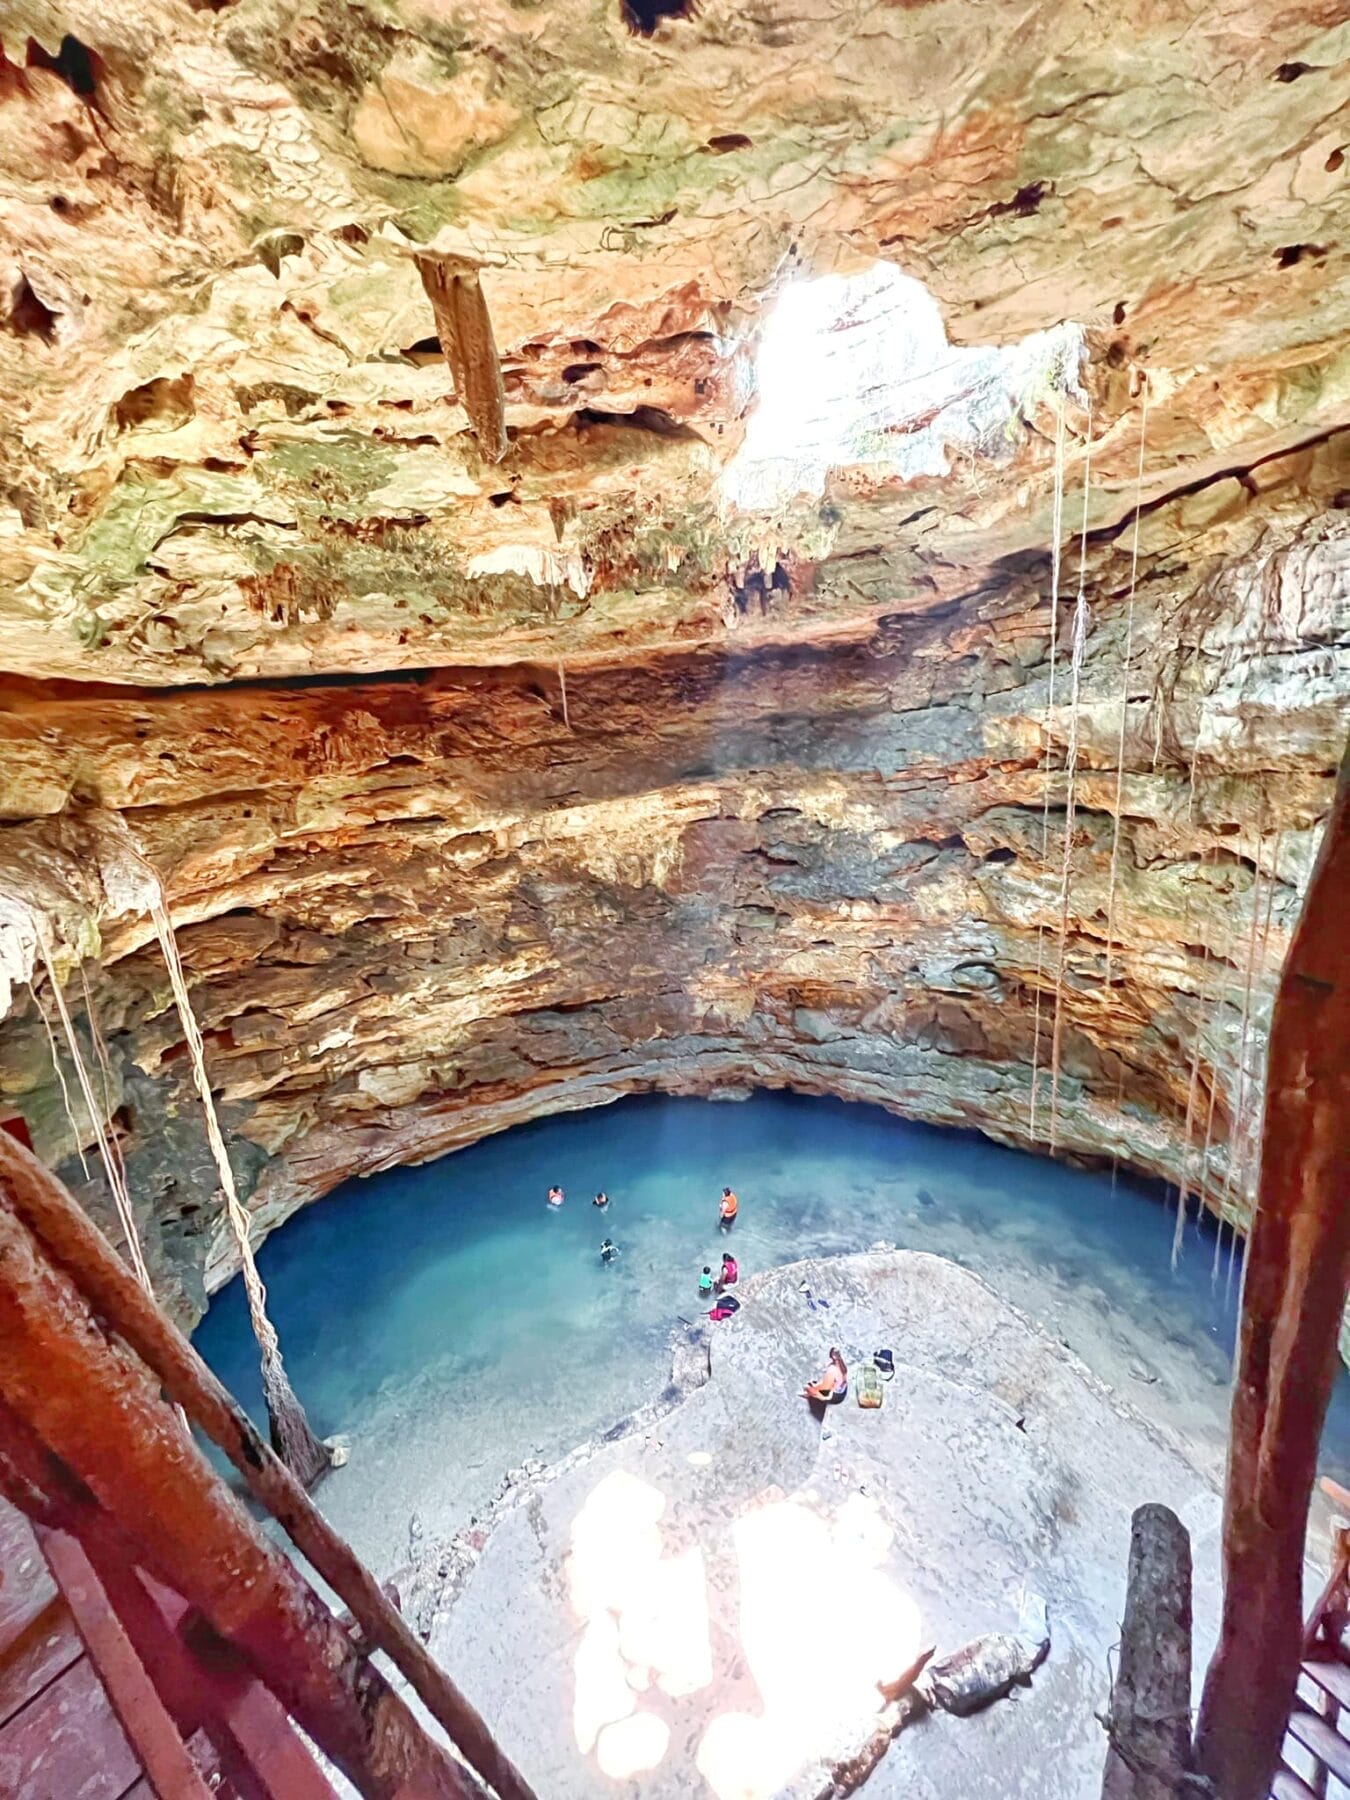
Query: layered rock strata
[
  {"x": 418, "y": 910},
  {"x": 486, "y": 781}
]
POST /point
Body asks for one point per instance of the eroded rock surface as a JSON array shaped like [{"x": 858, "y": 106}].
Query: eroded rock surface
[
  {"x": 419, "y": 910},
  {"x": 708, "y": 1602},
  {"x": 482, "y": 788}
]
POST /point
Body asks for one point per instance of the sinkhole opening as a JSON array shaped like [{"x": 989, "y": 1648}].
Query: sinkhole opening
[{"x": 857, "y": 370}]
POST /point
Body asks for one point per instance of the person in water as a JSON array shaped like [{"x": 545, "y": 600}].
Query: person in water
[
  {"x": 608, "y": 1251},
  {"x": 555, "y": 1196},
  {"x": 832, "y": 1385},
  {"x": 730, "y": 1272},
  {"x": 601, "y": 1199},
  {"x": 705, "y": 1281},
  {"x": 729, "y": 1208}
]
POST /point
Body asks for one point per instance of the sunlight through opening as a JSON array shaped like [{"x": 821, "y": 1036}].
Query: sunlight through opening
[{"x": 856, "y": 369}]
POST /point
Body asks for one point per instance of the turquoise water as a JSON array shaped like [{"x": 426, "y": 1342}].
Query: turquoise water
[{"x": 452, "y": 1325}]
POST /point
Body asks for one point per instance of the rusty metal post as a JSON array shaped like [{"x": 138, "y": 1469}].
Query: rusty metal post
[
  {"x": 76, "y": 1245},
  {"x": 96, "y": 1432},
  {"x": 1294, "y": 1290}
]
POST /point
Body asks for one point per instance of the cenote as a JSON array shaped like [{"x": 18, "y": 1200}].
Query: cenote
[{"x": 453, "y": 1326}]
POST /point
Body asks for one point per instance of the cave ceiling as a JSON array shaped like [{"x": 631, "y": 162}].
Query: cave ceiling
[
  {"x": 231, "y": 447},
  {"x": 492, "y": 757}
]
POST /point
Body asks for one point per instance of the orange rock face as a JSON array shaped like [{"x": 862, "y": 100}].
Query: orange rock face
[{"x": 487, "y": 787}]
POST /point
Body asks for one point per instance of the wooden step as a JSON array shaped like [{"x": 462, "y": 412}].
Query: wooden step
[
  {"x": 1326, "y": 1744},
  {"x": 1288, "y": 1786},
  {"x": 1332, "y": 1677}
]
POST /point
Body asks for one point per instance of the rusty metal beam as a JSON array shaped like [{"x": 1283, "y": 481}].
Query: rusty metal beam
[
  {"x": 151, "y": 1732},
  {"x": 83, "y": 1424},
  {"x": 76, "y": 1245},
  {"x": 1294, "y": 1290}
]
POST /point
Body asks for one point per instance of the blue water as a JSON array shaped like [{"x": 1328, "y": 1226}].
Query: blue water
[{"x": 452, "y": 1325}]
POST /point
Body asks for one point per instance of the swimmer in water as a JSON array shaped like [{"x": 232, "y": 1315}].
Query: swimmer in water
[
  {"x": 608, "y": 1251},
  {"x": 555, "y": 1196},
  {"x": 728, "y": 1209},
  {"x": 601, "y": 1199},
  {"x": 705, "y": 1281}
]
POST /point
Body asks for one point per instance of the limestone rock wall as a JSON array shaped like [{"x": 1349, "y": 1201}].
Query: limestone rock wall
[
  {"x": 422, "y": 909},
  {"x": 483, "y": 785}
]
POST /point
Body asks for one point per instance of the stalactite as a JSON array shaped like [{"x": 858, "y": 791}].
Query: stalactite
[
  {"x": 1079, "y": 642},
  {"x": 1056, "y": 536},
  {"x": 292, "y": 1439},
  {"x": 108, "y": 1156}
]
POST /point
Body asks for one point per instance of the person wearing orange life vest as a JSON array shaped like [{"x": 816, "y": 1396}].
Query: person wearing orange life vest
[{"x": 728, "y": 1210}]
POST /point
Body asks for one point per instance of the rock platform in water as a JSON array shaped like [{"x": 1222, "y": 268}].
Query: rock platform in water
[{"x": 705, "y": 1605}]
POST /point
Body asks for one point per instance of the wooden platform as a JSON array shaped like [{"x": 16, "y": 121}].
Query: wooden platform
[
  {"x": 59, "y": 1736},
  {"x": 1315, "y": 1760}
]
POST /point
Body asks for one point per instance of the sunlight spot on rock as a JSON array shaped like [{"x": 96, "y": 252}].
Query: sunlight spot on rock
[
  {"x": 646, "y": 1623},
  {"x": 664, "y": 1624},
  {"x": 615, "y": 1540},
  {"x": 856, "y": 369},
  {"x": 603, "y": 1695},
  {"x": 743, "y": 1758},
  {"x": 626, "y": 1749},
  {"x": 819, "y": 1627}
]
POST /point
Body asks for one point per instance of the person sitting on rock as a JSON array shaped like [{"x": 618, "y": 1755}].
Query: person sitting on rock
[
  {"x": 705, "y": 1280},
  {"x": 728, "y": 1210},
  {"x": 832, "y": 1385},
  {"x": 727, "y": 1307},
  {"x": 729, "y": 1274},
  {"x": 555, "y": 1196},
  {"x": 601, "y": 1199},
  {"x": 608, "y": 1251}
]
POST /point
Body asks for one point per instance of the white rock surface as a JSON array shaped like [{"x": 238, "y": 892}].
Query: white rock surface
[{"x": 715, "y": 1595}]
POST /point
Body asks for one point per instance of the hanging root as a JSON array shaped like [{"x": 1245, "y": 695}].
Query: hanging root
[
  {"x": 1079, "y": 644},
  {"x": 109, "y": 1153},
  {"x": 294, "y": 1442},
  {"x": 308, "y": 1459},
  {"x": 1203, "y": 996},
  {"x": 1203, "y": 1177},
  {"x": 60, "y": 1073},
  {"x": 1056, "y": 536},
  {"x": 1124, "y": 704},
  {"x": 1239, "y": 1125},
  {"x": 1125, "y": 662}
]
